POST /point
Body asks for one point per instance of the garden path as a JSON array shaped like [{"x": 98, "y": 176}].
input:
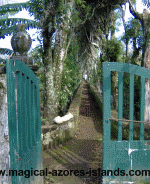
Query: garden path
[{"x": 82, "y": 152}]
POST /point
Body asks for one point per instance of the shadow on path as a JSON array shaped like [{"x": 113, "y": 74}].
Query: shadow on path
[{"x": 83, "y": 152}]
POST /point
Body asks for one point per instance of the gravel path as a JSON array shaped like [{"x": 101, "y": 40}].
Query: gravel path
[{"x": 83, "y": 152}]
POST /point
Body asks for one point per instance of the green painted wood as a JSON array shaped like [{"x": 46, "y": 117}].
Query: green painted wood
[
  {"x": 106, "y": 114},
  {"x": 124, "y": 155},
  {"x": 142, "y": 106},
  {"x": 23, "y": 120}
]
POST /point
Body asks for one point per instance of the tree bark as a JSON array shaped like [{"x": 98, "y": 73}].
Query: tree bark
[
  {"x": 47, "y": 23},
  {"x": 48, "y": 72}
]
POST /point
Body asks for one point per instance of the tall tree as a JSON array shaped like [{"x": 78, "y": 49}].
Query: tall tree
[
  {"x": 144, "y": 19},
  {"x": 55, "y": 21},
  {"x": 126, "y": 37},
  {"x": 134, "y": 35}
]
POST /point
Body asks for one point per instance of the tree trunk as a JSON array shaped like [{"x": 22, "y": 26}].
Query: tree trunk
[
  {"x": 124, "y": 25},
  {"x": 54, "y": 67},
  {"x": 48, "y": 73},
  {"x": 47, "y": 61}
]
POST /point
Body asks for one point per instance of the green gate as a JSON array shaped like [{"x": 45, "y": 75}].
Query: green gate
[
  {"x": 24, "y": 123},
  {"x": 124, "y": 161}
]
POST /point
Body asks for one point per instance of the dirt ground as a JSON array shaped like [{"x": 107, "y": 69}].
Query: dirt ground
[{"x": 83, "y": 152}]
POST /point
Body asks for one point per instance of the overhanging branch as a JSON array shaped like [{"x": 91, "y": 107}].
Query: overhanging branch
[{"x": 134, "y": 12}]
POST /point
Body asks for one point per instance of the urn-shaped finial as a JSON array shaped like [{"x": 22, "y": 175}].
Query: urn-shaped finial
[{"x": 21, "y": 41}]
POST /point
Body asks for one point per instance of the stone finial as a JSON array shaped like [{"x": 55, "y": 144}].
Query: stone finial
[{"x": 21, "y": 41}]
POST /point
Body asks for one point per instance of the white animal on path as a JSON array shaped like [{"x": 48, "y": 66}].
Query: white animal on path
[{"x": 60, "y": 120}]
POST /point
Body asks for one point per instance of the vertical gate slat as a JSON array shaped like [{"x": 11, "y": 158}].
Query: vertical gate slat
[
  {"x": 107, "y": 112},
  {"x": 142, "y": 107},
  {"x": 38, "y": 112},
  {"x": 27, "y": 111},
  {"x": 36, "y": 120},
  {"x": 32, "y": 122},
  {"x": 35, "y": 123},
  {"x": 19, "y": 92},
  {"x": 21, "y": 106},
  {"x": 106, "y": 105},
  {"x": 39, "y": 121},
  {"x": 24, "y": 114},
  {"x": 131, "y": 107},
  {"x": 34, "y": 116},
  {"x": 120, "y": 104}
]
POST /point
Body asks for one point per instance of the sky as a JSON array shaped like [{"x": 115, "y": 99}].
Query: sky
[{"x": 5, "y": 43}]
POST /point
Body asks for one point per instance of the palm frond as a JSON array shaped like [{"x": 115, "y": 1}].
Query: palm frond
[
  {"x": 4, "y": 51},
  {"x": 7, "y": 32},
  {"x": 13, "y": 7},
  {"x": 13, "y": 21},
  {"x": 8, "y": 26}
]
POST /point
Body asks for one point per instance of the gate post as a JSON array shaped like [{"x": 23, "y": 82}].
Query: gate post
[{"x": 20, "y": 54}]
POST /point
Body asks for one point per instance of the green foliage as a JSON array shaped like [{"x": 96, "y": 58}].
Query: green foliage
[
  {"x": 81, "y": 3},
  {"x": 95, "y": 75},
  {"x": 70, "y": 81},
  {"x": 36, "y": 54},
  {"x": 99, "y": 69},
  {"x": 70, "y": 76},
  {"x": 75, "y": 19},
  {"x": 113, "y": 50},
  {"x": 83, "y": 10},
  {"x": 134, "y": 30},
  {"x": 36, "y": 8},
  {"x": 48, "y": 9}
]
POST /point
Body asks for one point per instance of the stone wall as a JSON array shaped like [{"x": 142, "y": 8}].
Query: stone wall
[
  {"x": 4, "y": 138},
  {"x": 55, "y": 134},
  {"x": 98, "y": 95}
]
